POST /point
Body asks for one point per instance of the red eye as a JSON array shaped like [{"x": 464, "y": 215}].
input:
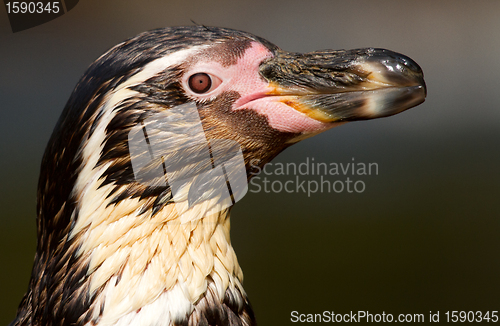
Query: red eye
[{"x": 200, "y": 83}]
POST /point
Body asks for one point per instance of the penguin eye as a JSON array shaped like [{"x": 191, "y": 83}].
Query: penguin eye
[{"x": 201, "y": 83}]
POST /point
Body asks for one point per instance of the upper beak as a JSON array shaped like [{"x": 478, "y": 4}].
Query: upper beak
[{"x": 336, "y": 86}]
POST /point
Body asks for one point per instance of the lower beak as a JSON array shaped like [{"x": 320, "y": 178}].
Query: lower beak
[{"x": 336, "y": 86}]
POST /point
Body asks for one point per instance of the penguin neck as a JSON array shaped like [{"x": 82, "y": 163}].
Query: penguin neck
[{"x": 144, "y": 265}]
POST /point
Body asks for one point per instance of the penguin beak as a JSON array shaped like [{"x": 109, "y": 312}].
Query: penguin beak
[{"x": 340, "y": 86}]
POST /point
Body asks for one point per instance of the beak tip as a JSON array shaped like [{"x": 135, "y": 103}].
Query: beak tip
[{"x": 393, "y": 68}]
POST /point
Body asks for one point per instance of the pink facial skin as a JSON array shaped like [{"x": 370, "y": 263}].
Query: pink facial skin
[{"x": 256, "y": 93}]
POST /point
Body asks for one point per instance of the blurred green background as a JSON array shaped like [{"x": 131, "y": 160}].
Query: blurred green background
[{"x": 422, "y": 237}]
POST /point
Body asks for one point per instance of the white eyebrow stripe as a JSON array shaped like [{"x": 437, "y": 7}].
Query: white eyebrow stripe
[{"x": 88, "y": 179}]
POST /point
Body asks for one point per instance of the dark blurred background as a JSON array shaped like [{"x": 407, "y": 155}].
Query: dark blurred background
[{"x": 424, "y": 234}]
